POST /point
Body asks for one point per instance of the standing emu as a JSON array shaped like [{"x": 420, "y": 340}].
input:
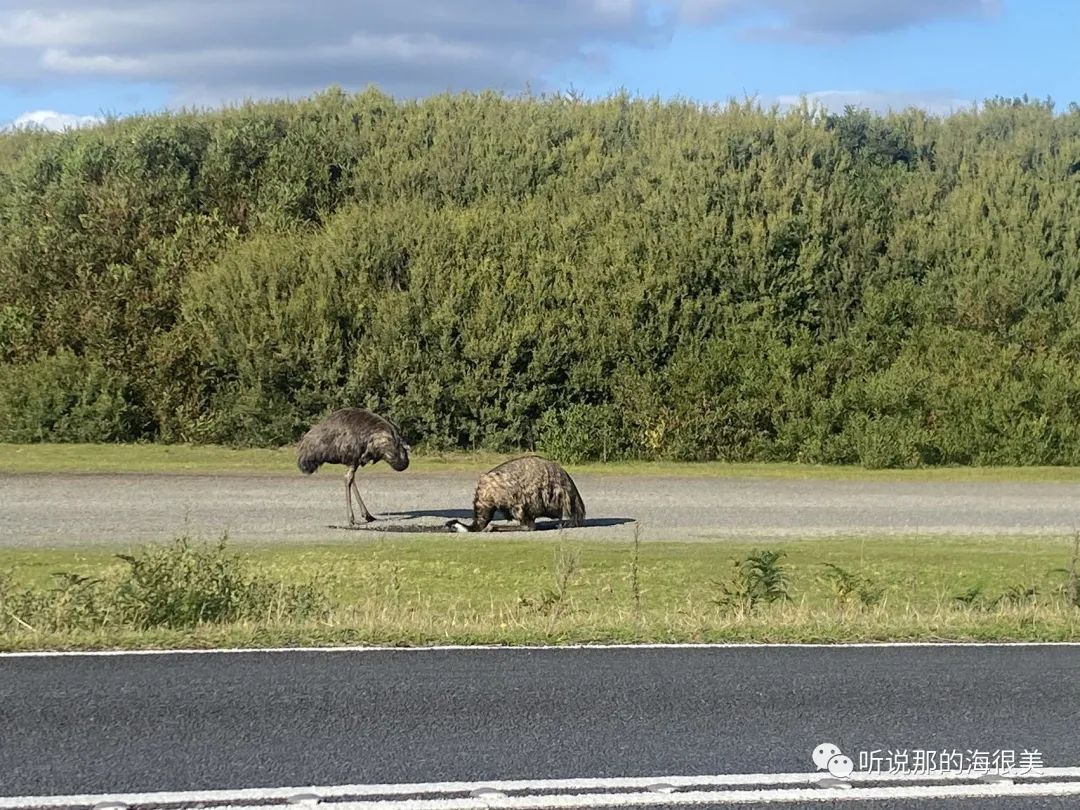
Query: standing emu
[
  {"x": 353, "y": 437},
  {"x": 524, "y": 488}
]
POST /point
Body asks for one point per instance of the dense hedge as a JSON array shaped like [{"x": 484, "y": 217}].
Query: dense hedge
[{"x": 609, "y": 279}]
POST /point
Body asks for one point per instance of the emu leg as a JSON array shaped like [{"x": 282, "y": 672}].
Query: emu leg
[
  {"x": 482, "y": 516},
  {"x": 348, "y": 494},
  {"x": 525, "y": 519},
  {"x": 350, "y": 486},
  {"x": 367, "y": 515},
  {"x": 526, "y": 522}
]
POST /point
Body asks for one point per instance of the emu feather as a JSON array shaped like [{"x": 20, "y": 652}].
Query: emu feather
[
  {"x": 354, "y": 437},
  {"x": 524, "y": 488}
]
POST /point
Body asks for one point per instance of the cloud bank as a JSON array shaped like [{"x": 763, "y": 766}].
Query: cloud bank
[
  {"x": 835, "y": 101},
  {"x": 830, "y": 20},
  {"x": 55, "y": 121},
  {"x": 208, "y": 51}
]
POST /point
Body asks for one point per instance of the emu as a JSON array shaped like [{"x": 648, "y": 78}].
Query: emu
[
  {"x": 353, "y": 437},
  {"x": 525, "y": 488}
]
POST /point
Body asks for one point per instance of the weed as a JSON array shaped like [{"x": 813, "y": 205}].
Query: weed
[
  {"x": 1015, "y": 595},
  {"x": 972, "y": 597},
  {"x": 635, "y": 569},
  {"x": 551, "y": 600},
  {"x": 183, "y": 585},
  {"x": 1070, "y": 589},
  {"x": 848, "y": 586},
  {"x": 758, "y": 578},
  {"x": 180, "y": 585}
]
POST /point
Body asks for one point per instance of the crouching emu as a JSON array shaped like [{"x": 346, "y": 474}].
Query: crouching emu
[
  {"x": 524, "y": 488},
  {"x": 353, "y": 437}
]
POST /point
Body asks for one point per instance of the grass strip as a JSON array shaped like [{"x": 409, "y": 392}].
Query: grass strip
[
  {"x": 213, "y": 459},
  {"x": 424, "y": 590}
]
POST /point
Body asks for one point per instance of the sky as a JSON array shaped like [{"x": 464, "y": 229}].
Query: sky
[{"x": 68, "y": 62}]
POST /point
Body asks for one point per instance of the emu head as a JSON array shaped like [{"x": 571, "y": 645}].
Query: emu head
[{"x": 395, "y": 451}]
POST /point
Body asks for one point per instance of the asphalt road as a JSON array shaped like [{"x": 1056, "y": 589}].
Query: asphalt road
[
  {"x": 69, "y": 509},
  {"x": 181, "y": 722}
]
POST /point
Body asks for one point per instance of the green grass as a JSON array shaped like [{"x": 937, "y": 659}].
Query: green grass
[
  {"x": 184, "y": 458},
  {"x": 412, "y": 590}
]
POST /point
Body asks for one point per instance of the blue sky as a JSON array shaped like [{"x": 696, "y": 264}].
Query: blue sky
[
  {"x": 1020, "y": 47},
  {"x": 60, "y": 60}
]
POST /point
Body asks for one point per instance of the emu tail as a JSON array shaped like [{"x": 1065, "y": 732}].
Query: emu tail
[{"x": 575, "y": 506}]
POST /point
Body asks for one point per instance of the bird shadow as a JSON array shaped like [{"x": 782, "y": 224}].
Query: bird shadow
[
  {"x": 384, "y": 527},
  {"x": 541, "y": 525},
  {"x": 588, "y": 523},
  {"x": 439, "y": 513}
]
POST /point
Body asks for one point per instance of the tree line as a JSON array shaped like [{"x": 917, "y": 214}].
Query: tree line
[{"x": 621, "y": 278}]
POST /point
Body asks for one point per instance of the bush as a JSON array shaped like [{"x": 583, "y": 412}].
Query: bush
[
  {"x": 65, "y": 398},
  {"x": 582, "y": 432},
  {"x": 179, "y": 586},
  {"x": 619, "y": 278},
  {"x": 183, "y": 585}
]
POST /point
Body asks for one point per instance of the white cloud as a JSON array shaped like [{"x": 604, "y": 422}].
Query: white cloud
[
  {"x": 55, "y": 121},
  {"x": 835, "y": 101},
  {"x": 824, "y": 20},
  {"x": 59, "y": 60},
  {"x": 207, "y": 51}
]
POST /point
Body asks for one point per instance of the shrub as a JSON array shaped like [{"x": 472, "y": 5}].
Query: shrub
[
  {"x": 606, "y": 279},
  {"x": 757, "y": 579},
  {"x": 179, "y": 586},
  {"x": 66, "y": 398},
  {"x": 184, "y": 585}
]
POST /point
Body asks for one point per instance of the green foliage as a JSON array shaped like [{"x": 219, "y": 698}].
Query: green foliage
[
  {"x": 1015, "y": 595},
  {"x": 757, "y": 579},
  {"x": 177, "y": 586},
  {"x": 551, "y": 601},
  {"x": 183, "y": 585},
  {"x": 67, "y": 398},
  {"x": 417, "y": 591},
  {"x": 580, "y": 432},
  {"x": 616, "y": 279},
  {"x": 851, "y": 587}
]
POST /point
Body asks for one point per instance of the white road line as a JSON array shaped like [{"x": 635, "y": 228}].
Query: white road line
[
  {"x": 640, "y": 783},
  {"x": 534, "y": 647},
  {"x": 781, "y": 796}
]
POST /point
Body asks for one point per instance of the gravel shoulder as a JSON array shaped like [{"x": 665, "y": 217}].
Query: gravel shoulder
[{"x": 69, "y": 509}]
